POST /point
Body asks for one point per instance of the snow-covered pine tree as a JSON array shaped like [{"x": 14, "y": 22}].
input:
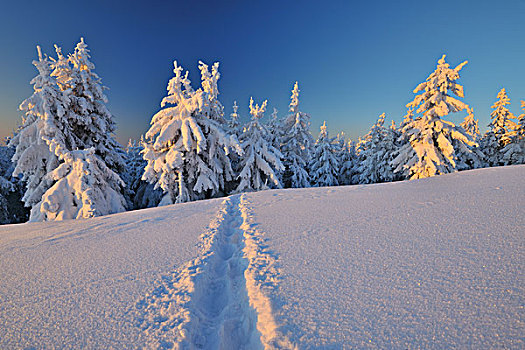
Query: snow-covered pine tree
[
  {"x": 407, "y": 118},
  {"x": 514, "y": 151},
  {"x": 275, "y": 129},
  {"x": 187, "y": 145},
  {"x": 84, "y": 187},
  {"x": 234, "y": 122},
  {"x": 324, "y": 170},
  {"x": 261, "y": 161},
  {"x": 502, "y": 123},
  {"x": 341, "y": 153},
  {"x": 144, "y": 194},
  {"x": 347, "y": 161},
  {"x": 56, "y": 123},
  {"x": 375, "y": 154},
  {"x": 469, "y": 157},
  {"x": 33, "y": 158},
  {"x": 296, "y": 145},
  {"x": 88, "y": 122},
  {"x": 471, "y": 125},
  {"x": 502, "y": 128},
  {"x": 429, "y": 143}
]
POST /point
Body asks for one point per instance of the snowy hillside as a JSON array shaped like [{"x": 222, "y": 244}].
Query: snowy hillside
[{"x": 431, "y": 263}]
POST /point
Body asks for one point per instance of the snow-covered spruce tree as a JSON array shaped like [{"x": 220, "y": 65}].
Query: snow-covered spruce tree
[
  {"x": 407, "y": 118},
  {"x": 187, "y": 145},
  {"x": 88, "y": 122},
  {"x": 375, "y": 154},
  {"x": 347, "y": 161},
  {"x": 470, "y": 157},
  {"x": 502, "y": 128},
  {"x": 275, "y": 129},
  {"x": 84, "y": 187},
  {"x": 471, "y": 125},
  {"x": 296, "y": 145},
  {"x": 514, "y": 151},
  {"x": 144, "y": 194},
  {"x": 429, "y": 144},
  {"x": 33, "y": 158},
  {"x": 340, "y": 153},
  {"x": 234, "y": 122},
  {"x": 261, "y": 161},
  {"x": 324, "y": 170},
  {"x": 55, "y": 122}
]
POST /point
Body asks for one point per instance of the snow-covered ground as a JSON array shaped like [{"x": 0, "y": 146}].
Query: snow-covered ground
[{"x": 432, "y": 263}]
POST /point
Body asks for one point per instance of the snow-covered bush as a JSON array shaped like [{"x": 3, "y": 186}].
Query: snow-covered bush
[
  {"x": 296, "y": 145},
  {"x": 324, "y": 170},
  {"x": 187, "y": 145},
  {"x": 429, "y": 144},
  {"x": 261, "y": 161}
]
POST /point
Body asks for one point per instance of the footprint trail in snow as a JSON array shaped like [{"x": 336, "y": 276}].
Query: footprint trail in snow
[{"x": 220, "y": 299}]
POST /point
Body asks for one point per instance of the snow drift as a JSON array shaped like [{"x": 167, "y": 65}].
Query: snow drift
[{"x": 431, "y": 263}]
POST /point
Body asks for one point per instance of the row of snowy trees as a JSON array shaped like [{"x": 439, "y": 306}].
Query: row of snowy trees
[{"x": 66, "y": 157}]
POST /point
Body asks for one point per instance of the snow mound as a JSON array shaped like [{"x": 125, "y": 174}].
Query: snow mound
[{"x": 431, "y": 263}]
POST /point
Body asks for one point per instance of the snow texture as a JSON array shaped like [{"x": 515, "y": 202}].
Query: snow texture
[{"x": 433, "y": 263}]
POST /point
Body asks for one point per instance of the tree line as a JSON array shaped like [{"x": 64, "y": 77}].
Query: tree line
[{"x": 64, "y": 162}]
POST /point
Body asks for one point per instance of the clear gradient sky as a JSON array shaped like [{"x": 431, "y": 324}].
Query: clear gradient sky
[{"x": 353, "y": 59}]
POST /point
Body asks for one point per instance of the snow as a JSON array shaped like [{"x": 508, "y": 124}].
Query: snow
[{"x": 429, "y": 263}]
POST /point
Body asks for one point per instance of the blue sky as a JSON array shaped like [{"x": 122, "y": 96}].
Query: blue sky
[{"x": 353, "y": 60}]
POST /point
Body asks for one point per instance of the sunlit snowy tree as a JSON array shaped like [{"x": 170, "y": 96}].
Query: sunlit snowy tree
[
  {"x": 65, "y": 114},
  {"x": 429, "y": 144},
  {"x": 187, "y": 145},
  {"x": 502, "y": 129},
  {"x": 88, "y": 122},
  {"x": 514, "y": 151},
  {"x": 261, "y": 161},
  {"x": 470, "y": 124},
  {"x": 296, "y": 145},
  {"x": 324, "y": 170}
]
